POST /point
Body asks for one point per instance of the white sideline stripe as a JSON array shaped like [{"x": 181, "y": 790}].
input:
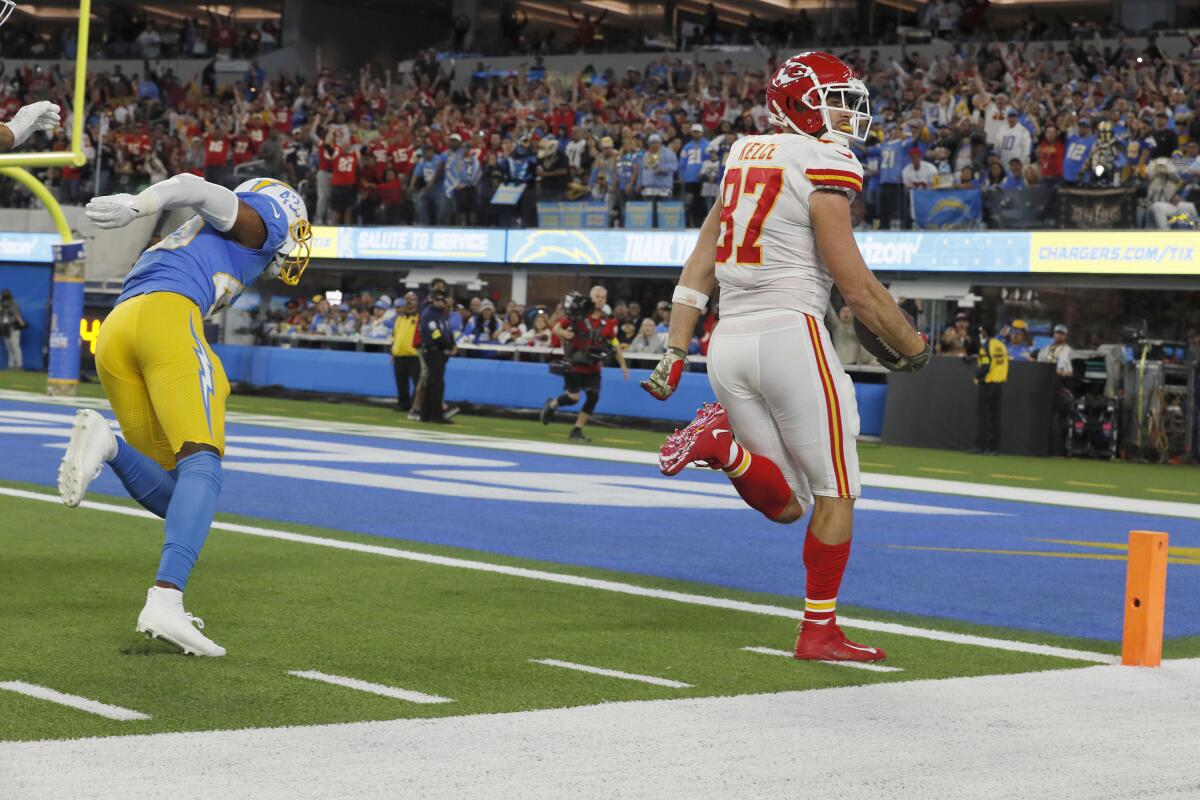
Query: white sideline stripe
[
  {"x": 770, "y": 651},
  {"x": 1020, "y": 494},
  {"x": 74, "y": 701},
  {"x": 606, "y": 585},
  {"x": 611, "y": 673},
  {"x": 367, "y": 686}
]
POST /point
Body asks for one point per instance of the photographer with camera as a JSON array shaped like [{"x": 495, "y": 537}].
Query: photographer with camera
[
  {"x": 587, "y": 337},
  {"x": 11, "y": 325}
]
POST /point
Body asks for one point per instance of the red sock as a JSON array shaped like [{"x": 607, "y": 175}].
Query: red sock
[
  {"x": 759, "y": 481},
  {"x": 825, "y": 564}
]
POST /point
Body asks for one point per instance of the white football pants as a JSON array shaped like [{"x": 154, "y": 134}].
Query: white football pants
[{"x": 789, "y": 399}]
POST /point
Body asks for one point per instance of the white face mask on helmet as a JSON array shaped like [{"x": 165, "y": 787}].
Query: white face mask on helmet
[{"x": 293, "y": 255}]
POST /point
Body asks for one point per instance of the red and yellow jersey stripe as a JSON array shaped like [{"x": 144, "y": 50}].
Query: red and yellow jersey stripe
[{"x": 836, "y": 178}]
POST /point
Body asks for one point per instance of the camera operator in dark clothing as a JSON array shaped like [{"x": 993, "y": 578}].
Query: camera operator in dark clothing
[
  {"x": 588, "y": 337},
  {"x": 437, "y": 346}
]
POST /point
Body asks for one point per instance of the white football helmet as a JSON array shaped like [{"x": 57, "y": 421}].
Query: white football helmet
[{"x": 293, "y": 255}]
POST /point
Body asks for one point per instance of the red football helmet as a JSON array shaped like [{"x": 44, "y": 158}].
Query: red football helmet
[{"x": 808, "y": 86}]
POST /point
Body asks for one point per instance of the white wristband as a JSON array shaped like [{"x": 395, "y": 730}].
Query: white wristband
[{"x": 689, "y": 297}]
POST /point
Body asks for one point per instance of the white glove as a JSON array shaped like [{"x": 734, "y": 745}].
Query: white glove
[
  {"x": 114, "y": 210},
  {"x": 40, "y": 116}
]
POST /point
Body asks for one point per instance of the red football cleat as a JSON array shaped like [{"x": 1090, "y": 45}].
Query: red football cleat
[
  {"x": 706, "y": 440},
  {"x": 828, "y": 643}
]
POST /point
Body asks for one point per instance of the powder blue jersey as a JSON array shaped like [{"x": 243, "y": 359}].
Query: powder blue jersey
[
  {"x": 1075, "y": 155},
  {"x": 691, "y": 158},
  {"x": 203, "y": 265},
  {"x": 893, "y": 155}
]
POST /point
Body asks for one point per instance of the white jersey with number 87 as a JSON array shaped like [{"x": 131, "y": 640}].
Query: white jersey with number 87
[{"x": 766, "y": 255}]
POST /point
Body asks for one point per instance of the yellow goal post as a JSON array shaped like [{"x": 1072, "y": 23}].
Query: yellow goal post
[{"x": 74, "y": 156}]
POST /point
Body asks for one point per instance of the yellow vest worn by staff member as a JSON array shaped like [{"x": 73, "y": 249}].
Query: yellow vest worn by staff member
[
  {"x": 403, "y": 331},
  {"x": 993, "y": 362}
]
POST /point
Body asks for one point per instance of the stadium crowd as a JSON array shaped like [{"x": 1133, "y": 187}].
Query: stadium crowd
[
  {"x": 133, "y": 35},
  {"x": 413, "y": 148},
  {"x": 474, "y": 321}
]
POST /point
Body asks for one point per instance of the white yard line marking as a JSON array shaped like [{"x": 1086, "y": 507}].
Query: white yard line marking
[
  {"x": 74, "y": 701},
  {"x": 1019, "y": 494},
  {"x": 1175, "y": 492},
  {"x": 611, "y": 673},
  {"x": 367, "y": 686},
  {"x": 770, "y": 651},
  {"x": 603, "y": 585}
]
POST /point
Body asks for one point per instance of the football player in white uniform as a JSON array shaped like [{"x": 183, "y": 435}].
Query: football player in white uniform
[{"x": 780, "y": 237}]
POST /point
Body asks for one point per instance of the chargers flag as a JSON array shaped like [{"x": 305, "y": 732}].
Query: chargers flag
[{"x": 947, "y": 209}]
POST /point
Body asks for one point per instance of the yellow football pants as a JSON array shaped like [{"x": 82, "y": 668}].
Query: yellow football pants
[{"x": 164, "y": 382}]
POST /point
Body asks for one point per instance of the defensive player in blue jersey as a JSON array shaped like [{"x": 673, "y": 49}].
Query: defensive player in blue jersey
[{"x": 166, "y": 386}]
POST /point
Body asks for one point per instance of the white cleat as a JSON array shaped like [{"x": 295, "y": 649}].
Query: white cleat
[
  {"x": 163, "y": 617},
  {"x": 92, "y": 443}
]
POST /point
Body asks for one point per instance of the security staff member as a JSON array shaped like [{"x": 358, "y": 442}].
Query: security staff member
[
  {"x": 587, "y": 338},
  {"x": 990, "y": 374},
  {"x": 406, "y": 364},
  {"x": 437, "y": 346}
]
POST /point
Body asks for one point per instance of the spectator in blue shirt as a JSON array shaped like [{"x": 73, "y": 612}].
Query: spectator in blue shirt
[
  {"x": 892, "y": 158},
  {"x": 484, "y": 327},
  {"x": 147, "y": 89},
  {"x": 691, "y": 159},
  {"x": 462, "y": 177},
  {"x": 520, "y": 164},
  {"x": 427, "y": 186},
  {"x": 967, "y": 179},
  {"x": 1078, "y": 148},
  {"x": 1017, "y": 338},
  {"x": 627, "y": 166},
  {"x": 656, "y": 173},
  {"x": 1015, "y": 179}
]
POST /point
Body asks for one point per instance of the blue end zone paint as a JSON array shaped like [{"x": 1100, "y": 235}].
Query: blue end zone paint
[
  {"x": 30, "y": 285},
  {"x": 734, "y": 548},
  {"x": 489, "y": 381}
]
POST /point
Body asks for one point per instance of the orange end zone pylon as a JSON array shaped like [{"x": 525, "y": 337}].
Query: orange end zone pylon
[{"x": 1145, "y": 597}]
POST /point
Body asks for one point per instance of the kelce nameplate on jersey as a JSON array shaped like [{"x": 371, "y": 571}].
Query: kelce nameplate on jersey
[{"x": 758, "y": 151}]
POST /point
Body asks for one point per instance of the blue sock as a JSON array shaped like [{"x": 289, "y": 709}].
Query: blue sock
[
  {"x": 190, "y": 515},
  {"x": 144, "y": 479}
]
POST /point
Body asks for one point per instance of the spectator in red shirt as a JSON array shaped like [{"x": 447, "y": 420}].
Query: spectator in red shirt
[
  {"x": 368, "y": 190},
  {"x": 402, "y": 158},
  {"x": 242, "y": 148},
  {"x": 586, "y": 32},
  {"x": 391, "y": 198},
  {"x": 256, "y": 131},
  {"x": 1050, "y": 155},
  {"x": 282, "y": 116},
  {"x": 216, "y": 155},
  {"x": 344, "y": 183}
]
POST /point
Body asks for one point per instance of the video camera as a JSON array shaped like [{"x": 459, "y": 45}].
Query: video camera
[{"x": 577, "y": 305}]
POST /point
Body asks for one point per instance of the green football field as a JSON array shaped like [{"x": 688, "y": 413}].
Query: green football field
[
  {"x": 448, "y": 631},
  {"x": 74, "y": 580}
]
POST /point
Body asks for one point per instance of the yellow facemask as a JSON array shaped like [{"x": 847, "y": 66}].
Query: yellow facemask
[{"x": 292, "y": 266}]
